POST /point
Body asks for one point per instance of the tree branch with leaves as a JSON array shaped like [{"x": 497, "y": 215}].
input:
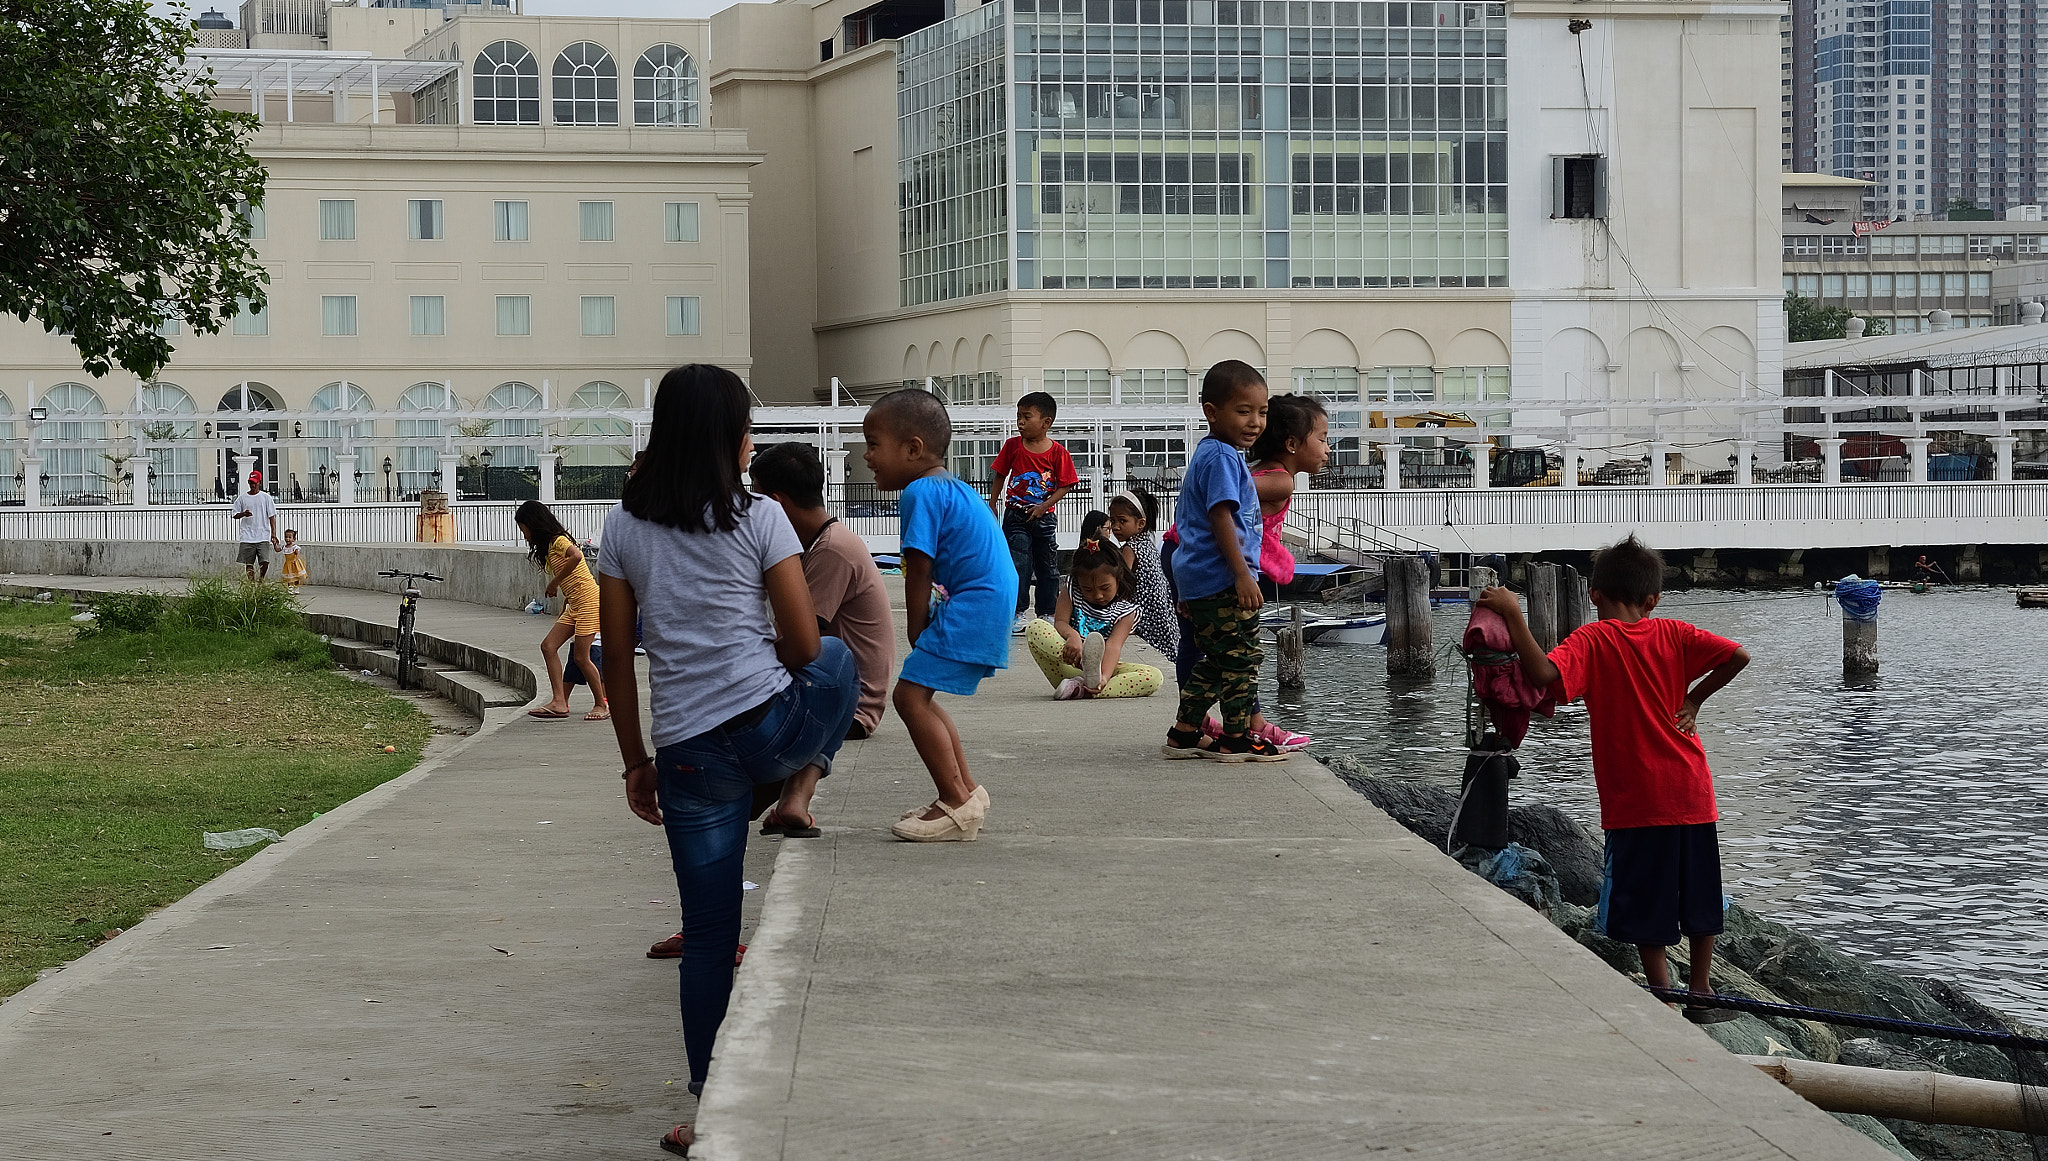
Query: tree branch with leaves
[{"x": 120, "y": 182}]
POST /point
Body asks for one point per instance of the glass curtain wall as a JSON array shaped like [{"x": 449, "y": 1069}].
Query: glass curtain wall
[
  {"x": 1199, "y": 144},
  {"x": 949, "y": 85}
]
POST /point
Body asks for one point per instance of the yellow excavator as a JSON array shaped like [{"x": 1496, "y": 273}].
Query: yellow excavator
[{"x": 1512, "y": 468}]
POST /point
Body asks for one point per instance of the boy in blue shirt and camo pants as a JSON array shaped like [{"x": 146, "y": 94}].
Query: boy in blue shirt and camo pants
[{"x": 1215, "y": 570}]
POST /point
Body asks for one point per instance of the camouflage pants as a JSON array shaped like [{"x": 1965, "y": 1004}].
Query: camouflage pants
[{"x": 1228, "y": 671}]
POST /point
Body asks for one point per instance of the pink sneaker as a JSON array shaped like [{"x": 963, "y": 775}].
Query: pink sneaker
[{"x": 1069, "y": 690}]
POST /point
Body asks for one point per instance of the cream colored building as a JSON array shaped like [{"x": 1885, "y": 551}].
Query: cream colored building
[
  {"x": 526, "y": 264},
  {"x": 1453, "y": 202}
]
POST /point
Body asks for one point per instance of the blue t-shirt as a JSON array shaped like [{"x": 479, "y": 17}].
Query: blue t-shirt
[
  {"x": 1216, "y": 475},
  {"x": 951, "y": 523}
]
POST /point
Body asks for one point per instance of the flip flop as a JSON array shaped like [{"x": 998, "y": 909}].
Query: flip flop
[
  {"x": 772, "y": 826},
  {"x": 1699, "y": 1015},
  {"x": 678, "y": 1140},
  {"x": 547, "y": 713},
  {"x": 601, "y": 713}
]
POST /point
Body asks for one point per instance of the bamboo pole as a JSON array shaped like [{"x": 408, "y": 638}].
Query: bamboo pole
[{"x": 1934, "y": 1098}]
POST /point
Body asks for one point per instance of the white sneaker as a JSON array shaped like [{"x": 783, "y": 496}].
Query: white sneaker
[
  {"x": 1023, "y": 622},
  {"x": 1091, "y": 662},
  {"x": 1068, "y": 690}
]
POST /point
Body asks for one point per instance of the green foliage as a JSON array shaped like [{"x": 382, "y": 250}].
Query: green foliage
[
  {"x": 1807, "y": 321},
  {"x": 208, "y": 605},
  {"x": 118, "y": 182},
  {"x": 1961, "y": 203}
]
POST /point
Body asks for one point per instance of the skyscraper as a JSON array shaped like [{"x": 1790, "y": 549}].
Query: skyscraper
[
  {"x": 1987, "y": 123},
  {"x": 1873, "y": 70}
]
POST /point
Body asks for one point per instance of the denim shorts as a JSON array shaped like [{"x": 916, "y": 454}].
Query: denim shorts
[{"x": 943, "y": 673}]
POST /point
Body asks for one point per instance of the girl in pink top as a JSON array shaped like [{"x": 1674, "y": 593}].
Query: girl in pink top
[{"x": 1296, "y": 439}]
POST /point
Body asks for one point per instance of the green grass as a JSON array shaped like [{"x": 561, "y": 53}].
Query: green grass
[{"x": 121, "y": 744}]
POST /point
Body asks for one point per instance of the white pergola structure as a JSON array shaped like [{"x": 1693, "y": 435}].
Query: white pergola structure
[{"x": 338, "y": 75}]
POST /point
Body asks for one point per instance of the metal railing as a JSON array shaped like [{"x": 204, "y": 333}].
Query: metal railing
[{"x": 477, "y": 523}]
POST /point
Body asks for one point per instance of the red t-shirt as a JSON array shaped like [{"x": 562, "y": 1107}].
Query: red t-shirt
[
  {"x": 1033, "y": 475},
  {"x": 1634, "y": 676}
]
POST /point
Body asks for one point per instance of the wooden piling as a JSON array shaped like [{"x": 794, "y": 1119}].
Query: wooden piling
[
  {"x": 1411, "y": 652},
  {"x": 1543, "y": 604},
  {"x": 1859, "y": 649},
  {"x": 1287, "y": 649},
  {"x": 1570, "y": 613}
]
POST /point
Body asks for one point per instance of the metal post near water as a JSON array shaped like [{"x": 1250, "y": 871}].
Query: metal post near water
[
  {"x": 1287, "y": 649},
  {"x": 1570, "y": 612},
  {"x": 1411, "y": 652},
  {"x": 1543, "y": 604}
]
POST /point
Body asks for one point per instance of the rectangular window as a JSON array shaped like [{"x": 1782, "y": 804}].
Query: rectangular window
[
  {"x": 511, "y": 221},
  {"x": 1980, "y": 284},
  {"x": 1909, "y": 285},
  {"x": 1809, "y": 285},
  {"x": 594, "y": 221},
  {"x": 1952, "y": 285},
  {"x": 168, "y": 327},
  {"x": 423, "y": 216},
  {"x": 251, "y": 319},
  {"x": 1880, "y": 286},
  {"x": 682, "y": 221},
  {"x": 1578, "y": 187},
  {"x": 597, "y": 315},
  {"x": 1400, "y": 385},
  {"x": 253, "y": 222},
  {"x": 1831, "y": 286},
  {"x": 337, "y": 314},
  {"x": 515, "y": 314},
  {"x": 429, "y": 314},
  {"x": 682, "y": 315},
  {"x": 337, "y": 221},
  {"x": 1859, "y": 286},
  {"x": 1329, "y": 384},
  {"x": 1164, "y": 385},
  {"x": 1078, "y": 386}
]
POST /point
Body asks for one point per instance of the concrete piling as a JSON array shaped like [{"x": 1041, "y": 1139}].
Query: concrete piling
[
  {"x": 1543, "y": 605},
  {"x": 1483, "y": 578},
  {"x": 1288, "y": 653},
  {"x": 1411, "y": 650},
  {"x": 1859, "y": 649}
]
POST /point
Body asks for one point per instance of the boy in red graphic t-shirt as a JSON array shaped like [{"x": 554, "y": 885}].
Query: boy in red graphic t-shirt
[
  {"x": 1032, "y": 472},
  {"x": 1663, "y": 861}
]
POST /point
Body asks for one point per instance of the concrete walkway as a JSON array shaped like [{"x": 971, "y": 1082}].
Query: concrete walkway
[{"x": 1140, "y": 959}]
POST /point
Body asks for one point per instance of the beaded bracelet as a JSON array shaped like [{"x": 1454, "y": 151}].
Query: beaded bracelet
[{"x": 628, "y": 771}]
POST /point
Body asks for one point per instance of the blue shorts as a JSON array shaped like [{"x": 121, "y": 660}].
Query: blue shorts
[
  {"x": 943, "y": 673},
  {"x": 1661, "y": 882}
]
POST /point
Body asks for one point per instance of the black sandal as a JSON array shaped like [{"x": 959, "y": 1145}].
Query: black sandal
[
  {"x": 1700, "y": 1015},
  {"x": 1244, "y": 748},
  {"x": 1184, "y": 744}
]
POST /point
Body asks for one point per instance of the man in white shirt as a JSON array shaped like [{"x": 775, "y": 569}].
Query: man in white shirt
[{"x": 255, "y": 516}]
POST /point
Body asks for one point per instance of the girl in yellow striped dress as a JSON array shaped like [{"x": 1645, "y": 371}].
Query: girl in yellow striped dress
[{"x": 293, "y": 570}]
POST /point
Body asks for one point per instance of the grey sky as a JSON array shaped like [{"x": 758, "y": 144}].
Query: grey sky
[{"x": 656, "y": 8}]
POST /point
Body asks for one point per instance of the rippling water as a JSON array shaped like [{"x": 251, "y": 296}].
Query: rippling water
[{"x": 1906, "y": 822}]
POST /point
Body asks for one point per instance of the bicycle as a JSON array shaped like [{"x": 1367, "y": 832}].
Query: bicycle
[{"x": 406, "y": 646}]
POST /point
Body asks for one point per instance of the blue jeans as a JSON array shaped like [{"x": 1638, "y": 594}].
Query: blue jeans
[
  {"x": 706, "y": 792},
  {"x": 1034, "y": 546}
]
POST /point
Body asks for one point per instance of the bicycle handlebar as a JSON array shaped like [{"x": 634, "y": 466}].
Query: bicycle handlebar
[{"x": 394, "y": 573}]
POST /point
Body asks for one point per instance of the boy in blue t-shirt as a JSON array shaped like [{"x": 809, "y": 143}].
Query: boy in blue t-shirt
[
  {"x": 1215, "y": 570},
  {"x": 950, "y": 541}
]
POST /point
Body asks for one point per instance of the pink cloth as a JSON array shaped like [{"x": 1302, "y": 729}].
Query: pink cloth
[
  {"x": 1509, "y": 695},
  {"x": 1276, "y": 562}
]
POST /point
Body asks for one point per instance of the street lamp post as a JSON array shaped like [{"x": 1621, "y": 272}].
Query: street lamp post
[{"x": 387, "y": 478}]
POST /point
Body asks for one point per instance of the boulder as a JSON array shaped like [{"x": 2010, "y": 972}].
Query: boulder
[{"x": 1426, "y": 807}]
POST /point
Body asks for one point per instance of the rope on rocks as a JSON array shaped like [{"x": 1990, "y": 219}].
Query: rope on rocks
[{"x": 1849, "y": 1019}]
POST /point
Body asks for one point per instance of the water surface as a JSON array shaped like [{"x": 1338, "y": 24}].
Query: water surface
[{"x": 1906, "y": 821}]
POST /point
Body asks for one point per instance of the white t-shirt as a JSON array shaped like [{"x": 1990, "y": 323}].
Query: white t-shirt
[{"x": 256, "y": 529}]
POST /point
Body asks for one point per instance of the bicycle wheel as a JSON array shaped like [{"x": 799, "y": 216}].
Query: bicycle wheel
[{"x": 408, "y": 649}]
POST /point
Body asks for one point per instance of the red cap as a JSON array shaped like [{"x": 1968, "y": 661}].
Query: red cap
[{"x": 255, "y": 477}]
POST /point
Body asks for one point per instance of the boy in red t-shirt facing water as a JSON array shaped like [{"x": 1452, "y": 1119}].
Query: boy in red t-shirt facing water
[{"x": 1637, "y": 673}]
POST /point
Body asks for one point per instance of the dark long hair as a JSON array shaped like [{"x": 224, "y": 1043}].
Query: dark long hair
[
  {"x": 691, "y": 476},
  {"x": 1287, "y": 417},
  {"x": 541, "y": 530},
  {"x": 1097, "y": 553}
]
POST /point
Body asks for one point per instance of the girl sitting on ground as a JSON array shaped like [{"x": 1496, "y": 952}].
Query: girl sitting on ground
[
  {"x": 1296, "y": 440},
  {"x": 1081, "y": 648},
  {"x": 555, "y": 552},
  {"x": 1132, "y": 514}
]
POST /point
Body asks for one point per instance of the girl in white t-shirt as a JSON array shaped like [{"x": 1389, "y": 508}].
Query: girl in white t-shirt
[{"x": 740, "y": 699}]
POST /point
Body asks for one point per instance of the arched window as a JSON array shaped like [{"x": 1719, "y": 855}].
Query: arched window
[
  {"x": 586, "y": 86},
  {"x": 175, "y": 478},
  {"x": 419, "y": 462},
  {"x": 665, "y": 87},
  {"x": 594, "y": 396},
  {"x": 507, "y": 85},
  {"x": 7, "y": 451},
  {"x": 514, "y": 397},
  {"x": 72, "y": 465},
  {"x": 238, "y": 455},
  {"x": 322, "y": 475}
]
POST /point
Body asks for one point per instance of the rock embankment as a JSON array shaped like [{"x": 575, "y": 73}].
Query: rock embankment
[{"x": 1764, "y": 960}]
